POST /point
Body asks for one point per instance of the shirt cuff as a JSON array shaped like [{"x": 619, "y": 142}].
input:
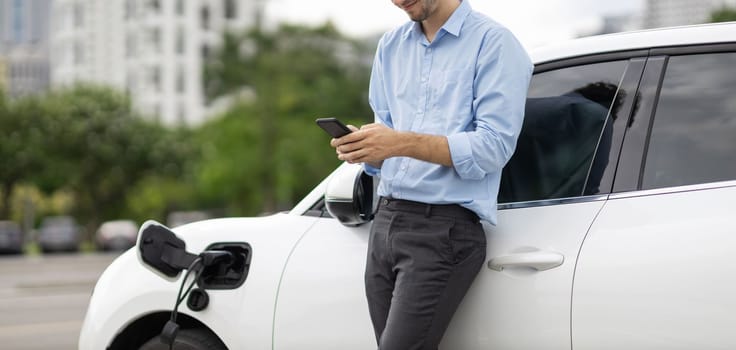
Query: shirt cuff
[
  {"x": 461, "y": 153},
  {"x": 372, "y": 171}
]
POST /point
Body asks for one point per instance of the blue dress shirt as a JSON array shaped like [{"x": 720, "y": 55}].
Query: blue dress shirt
[{"x": 469, "y": 84}]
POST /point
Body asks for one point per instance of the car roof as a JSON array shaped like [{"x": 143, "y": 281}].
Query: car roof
[{"x": 644, "y": 39}]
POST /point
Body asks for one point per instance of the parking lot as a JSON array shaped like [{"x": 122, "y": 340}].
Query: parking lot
[{"x": 43, "y": 299}]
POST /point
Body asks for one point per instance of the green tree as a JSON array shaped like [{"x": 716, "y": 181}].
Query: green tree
[
  {"x": 724, "y": 14},
  {"x": 102, "y": 149},
  {"x": 267, "y": 152},
  {"x": 21, "y": 145}
]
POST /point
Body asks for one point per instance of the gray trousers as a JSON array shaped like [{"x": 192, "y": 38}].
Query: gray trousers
[{"x": 421, "y": 261}]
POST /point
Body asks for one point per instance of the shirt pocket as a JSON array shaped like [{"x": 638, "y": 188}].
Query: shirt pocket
[{"x": 451, "y": 97}]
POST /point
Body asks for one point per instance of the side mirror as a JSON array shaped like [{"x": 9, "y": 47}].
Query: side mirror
[{"x": 349, "y": 195}]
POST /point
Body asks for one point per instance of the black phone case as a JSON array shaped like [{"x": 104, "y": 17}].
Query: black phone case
[{"x": 333, "y": 127}]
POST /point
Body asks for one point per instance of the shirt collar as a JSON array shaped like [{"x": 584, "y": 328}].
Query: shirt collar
[
  {"x": 453, "y": 25},
  {"x": 457, "y": 19}
]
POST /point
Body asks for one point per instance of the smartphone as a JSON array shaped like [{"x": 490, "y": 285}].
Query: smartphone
[{"x": 333, "y": 127}]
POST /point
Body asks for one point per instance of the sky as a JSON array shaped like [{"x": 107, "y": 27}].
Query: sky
[{"x": 535, "y": 22}]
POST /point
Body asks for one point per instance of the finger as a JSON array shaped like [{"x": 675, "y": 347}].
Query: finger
[
  {"x": 358, "y": 156},
  {"x": 347, "y": 148},
  {"x": 370, "y": 126}
]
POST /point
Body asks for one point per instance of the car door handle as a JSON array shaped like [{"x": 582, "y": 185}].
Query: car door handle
[{"x": 538, "y": 260}]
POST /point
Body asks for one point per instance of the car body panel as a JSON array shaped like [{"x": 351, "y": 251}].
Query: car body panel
[
  {"x": 629, "y": 41},
  {"x": 242, "y": 317},
  {"x": 503, "y": 308},
  {"x": 655, "y": 272},
  {"x": 321, "y": 301}
]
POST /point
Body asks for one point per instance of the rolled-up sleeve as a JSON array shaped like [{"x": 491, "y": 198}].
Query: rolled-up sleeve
[{"x": 503, "y": 72}]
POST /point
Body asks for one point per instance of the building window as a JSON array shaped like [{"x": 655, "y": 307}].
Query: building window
[
  {"x": 78, "y": 15},
  {"x": 156, "y": 79},
  {"x": 129, "y": 9},
  {"x": 78, "y": 53},
  {"x": 18, "y": 21},
  {"x": 205, "y": 17},
  {"x": 205, "y": 51},
  {"x": 181, "y": 82},
  {"x": 231, "y": 9},
  {"x": 154, "y": 39},
  {"x": 180, "y": 8},
  {"x": 131, "y": 47},
  {"x": 154, "y": 6},
  {"x": 180, "y": 41},
  {"x": 131, "y": 82}
]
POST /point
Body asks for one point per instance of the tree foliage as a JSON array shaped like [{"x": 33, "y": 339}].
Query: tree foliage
[
  {"x": 724, "y": 14},
  {"x": 261, "y": 155},
  {"x": 103, "y": 149},
  {"x": 267, "y": 152},
  {"x": 85, "y": 140},
  {"x": 22, "y": 145}
]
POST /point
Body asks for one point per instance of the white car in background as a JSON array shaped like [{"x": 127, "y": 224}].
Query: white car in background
[
  {"x": 616, "y": 227},
  {"x": 116, "y": 235}
]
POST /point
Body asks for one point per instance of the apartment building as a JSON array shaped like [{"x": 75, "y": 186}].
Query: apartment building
[
  {"x": 668, "y": 13},
  {"x": 153, "y": 49},
  {"x": 24, "y": 49}
]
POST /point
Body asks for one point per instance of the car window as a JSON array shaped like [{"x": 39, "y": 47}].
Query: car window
[
  {"x": 692, "y": 138},
  {"x": 565, "y": 126}
]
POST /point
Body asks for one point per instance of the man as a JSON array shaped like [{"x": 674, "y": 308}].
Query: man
[{"x": 448, "y": 92}]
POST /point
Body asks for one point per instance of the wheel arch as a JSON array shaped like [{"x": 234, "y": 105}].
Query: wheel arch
[{"x": 135, "y": 334}]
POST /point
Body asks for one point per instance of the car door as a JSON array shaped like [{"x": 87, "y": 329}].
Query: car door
[
  {"x": 656, "y": 270},
  {"x": 549, "y": 202},
  {"x": 321, "y": 301},
  {"x": 551, "y": 191}
]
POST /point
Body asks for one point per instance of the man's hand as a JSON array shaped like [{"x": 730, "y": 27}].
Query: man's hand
[
  {"x": 373, "y": 143},
  {"x": 370, "y": 144}
]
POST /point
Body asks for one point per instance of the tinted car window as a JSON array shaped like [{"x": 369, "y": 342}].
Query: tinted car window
[
  {"x": 565, "y": 122},
  {"x": 692, "y": 138}
]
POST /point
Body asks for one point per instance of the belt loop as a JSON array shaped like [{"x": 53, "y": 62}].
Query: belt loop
[{"x": 428, "y": 210}]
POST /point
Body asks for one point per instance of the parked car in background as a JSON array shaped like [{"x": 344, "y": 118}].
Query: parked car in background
[
  {"x": 116, "y": 235},
  {"x": 59, "y": 234},
  {"x": 615, "y": 226},
  {"x": 11, "y": 238}
]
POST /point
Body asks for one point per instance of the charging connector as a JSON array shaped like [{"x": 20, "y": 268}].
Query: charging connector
[{"x": 205, "y": 259}]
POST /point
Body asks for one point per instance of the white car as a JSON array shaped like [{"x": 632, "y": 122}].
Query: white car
[
  {"x": 616, "y": 227},
  {"x": 116, "y": 235}
]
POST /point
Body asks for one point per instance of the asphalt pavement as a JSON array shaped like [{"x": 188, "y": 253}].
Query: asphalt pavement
[{"x": 43, "y": 299}]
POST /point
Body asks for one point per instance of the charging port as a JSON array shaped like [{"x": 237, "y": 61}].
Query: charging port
[{"x": 229, "y": 274}]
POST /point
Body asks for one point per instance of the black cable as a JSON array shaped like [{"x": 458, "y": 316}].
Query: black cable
[
  {"x": 203, "y": 260},
  {"x": 171, "y": 327},
  {"x": 179, "y": 296}
]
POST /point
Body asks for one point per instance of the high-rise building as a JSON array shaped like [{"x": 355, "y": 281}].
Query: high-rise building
[
  {"x": 153, "y": 49},
  {"x": 668, "y": 13},
  {"x": 24, "y": 35}
]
